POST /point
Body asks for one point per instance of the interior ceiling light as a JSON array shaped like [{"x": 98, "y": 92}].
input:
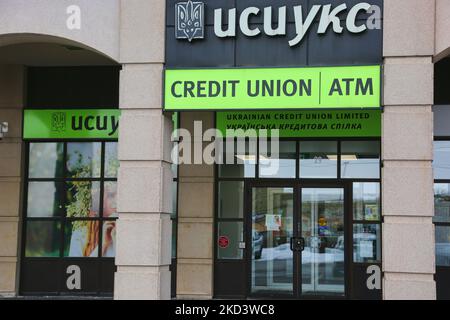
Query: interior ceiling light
[{"x": 348, "y": 157}]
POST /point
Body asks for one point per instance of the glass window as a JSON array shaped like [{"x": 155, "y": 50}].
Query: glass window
[
  {"x": 272, "y": 230},
  {"x": 443, "y": 246},
  {"x": 44, "y": 199},
  {"x": 83, "y": 159},
  {"x": 174, "y": 239},
  {"x": 360, "y": 159},
  {"x": 111, "y": 160},
  {"x": 231, "y": 199},
  {"x": 110, "y": 199},
  {"x": 442, "y": 202},
  {"x": 109, "y": 239},
  {"x": 366, "y": 201},
  {"x": 46, "y": 160},
  {"x": 83, "y": 199},
  {"x": 82, "y": 239},
  {"x": 230, "y": 234},
  {"x": 279, "y": 163},
  {"x": 174, "y": 199},
  {"x": 174, "y": 169},
  {"x": 322, "y": 228},
  {"x": 43, "y": 239},
  {"x": 238, "y": 160},
  {"x": 441, "y": 163},
  {"x": 71, "y": 203},
  {"x": 366, "y": 243},
  {"x": 318, "y": 159}
]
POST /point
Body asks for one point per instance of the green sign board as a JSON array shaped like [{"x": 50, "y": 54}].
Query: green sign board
[
  {"x": 273, "y": 88},
  {"x": 71, "y": 124},
  {"x": 303, "y": 124}
]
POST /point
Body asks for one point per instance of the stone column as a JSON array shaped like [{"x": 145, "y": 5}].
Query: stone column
[
  {"x": 145, "y": 177},
  {"x": 195, "y": 219},
  {"x": 12, "y": 84},
  {"x": 407, "y": 150}
]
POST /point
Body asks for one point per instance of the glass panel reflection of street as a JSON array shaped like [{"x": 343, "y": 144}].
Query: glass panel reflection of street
[
  {"x": 272, "y": 229},
  {"x": 322, "y": 224}
]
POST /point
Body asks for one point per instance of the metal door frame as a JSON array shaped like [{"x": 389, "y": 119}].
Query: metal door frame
[{"x": 297, "y": 186}]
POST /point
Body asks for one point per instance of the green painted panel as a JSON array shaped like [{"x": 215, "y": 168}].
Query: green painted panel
[
  {"x": 71, "y": 124},
  {"x": 273, "y": 88}
]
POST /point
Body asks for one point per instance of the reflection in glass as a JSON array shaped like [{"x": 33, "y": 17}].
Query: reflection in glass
[
  {"x": 322, "y": 223},
  {"x": 111, "y": 160},
  {"x": 231, "y": 199},
  {"x": 441, "y": 162},
  {"x": 318, "y": 159},
  {"x": 441, "y": 202},
  {"x": 443, "y": 246},
  {"x": 366, "y": 201},
  {"x": 230, "y": 234},
  {"x": 81, "y": 239},
  {"x": 84, "y": 159},
  {"x": 43, "y": 239},
  {"x": 46, "y": 160},
  {"x": 174, "y": 169},
  {"x": 366, "y": 243},
  {"x": 173, "y": 214},
  {"x": 110, "y": 199},
  {"x": 279, "y": 163},
  {"x": 109, "y": 239},
  {"x": 237, "y": 160},
  {"x": 174, "y": 239},
  {"x": 83, "y": 199},
  {"x": 44, "y": 199},
  {"x": 272, "y": 230},
  {"x": 360, "y": 159}
]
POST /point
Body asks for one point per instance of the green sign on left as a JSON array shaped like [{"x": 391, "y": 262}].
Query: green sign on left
[{"x": 71, "y": 124}]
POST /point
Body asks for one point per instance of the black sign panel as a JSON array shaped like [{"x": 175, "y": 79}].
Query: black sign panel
[
  {"x": 53, "y": 276},
  {"x": 240, "y": 50}
]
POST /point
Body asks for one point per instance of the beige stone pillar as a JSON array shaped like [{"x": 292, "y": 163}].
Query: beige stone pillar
[
  {"x": 145, "y": 177},
  {"x": 407, "y": 150},
  {"x": 195, "y": 219},
  {"x": 12, "y": 79}
]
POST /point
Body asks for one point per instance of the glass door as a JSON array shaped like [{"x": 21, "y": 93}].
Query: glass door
[
  {"x": 322, "y": 230},
  {"x": 272, "y": 227},
  {"x": 296, "y": 237}
]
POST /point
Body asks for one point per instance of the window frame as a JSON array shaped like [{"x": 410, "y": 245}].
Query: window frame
[
  {"x": 63, "y": 219},
  {"x": 439, "y": 181},
  {"x": 298, "y": 179}
]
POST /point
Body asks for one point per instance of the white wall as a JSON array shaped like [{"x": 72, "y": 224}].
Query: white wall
[{"x": 100, "y": 22}]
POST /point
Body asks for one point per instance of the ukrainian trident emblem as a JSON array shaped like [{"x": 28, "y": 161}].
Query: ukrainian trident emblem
[{"x": 189, "y": 22}]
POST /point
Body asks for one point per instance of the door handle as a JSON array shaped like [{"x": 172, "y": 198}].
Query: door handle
[
  {"x": 297, "y": 244},
  {"x": 301, "y": 244}
]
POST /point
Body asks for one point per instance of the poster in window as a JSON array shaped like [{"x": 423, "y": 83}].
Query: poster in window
[
  {"x": 273, "y": 222},
  {"x": 371, "y": 212}
]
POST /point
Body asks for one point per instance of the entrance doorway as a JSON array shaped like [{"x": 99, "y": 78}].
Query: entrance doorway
[
  {"x": 311, "y": 229},
  {"x": 297, "y": 240}
]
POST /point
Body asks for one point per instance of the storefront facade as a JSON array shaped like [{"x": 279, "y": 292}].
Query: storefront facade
[{"x": 95, "y": 206}]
